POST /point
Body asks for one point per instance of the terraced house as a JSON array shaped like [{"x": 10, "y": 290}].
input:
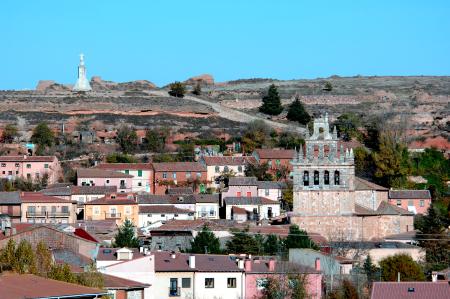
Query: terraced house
[
  {"x": 40, "y": 208},
  {"x": 118, "y": 207},
  {"x": 142, "y": 174},
  {"x": 217, "y": 166},
  {"x": 172, "y": 174},
  {"x": 100, "y": 177},
  {"x": 30, "y": 168}
]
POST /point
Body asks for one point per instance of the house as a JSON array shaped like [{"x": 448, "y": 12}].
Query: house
[
  {"x": 258, "y": 270},
  {"x": 124, "y": 288},
  {"x": 410, "y": 290},
  {"x": 100, "y": 177},
  {"x": 151, "y": 214},
  {"x": 37, "y": 207},
  {"x": 118, "y": 207},
  {"x": 31, "y": 168},
  {"x": 359, "y": 251},
  {"x": 241, "y": 187},
  {"x": 276, "y": 159},
  {"x": 169, "y": 174},
  {"x": 16, "y": 286},
  {"x": 84, "y": 137},
  {"x": 416, "y": 201},
  {"x": 102, "y": 230},
  {"x": 197, "y": 276},
  {"x": 216, "y": 166},
  {"x": 258, "y": 208},
  {"x": 142, "y": 174},
  {"x": 329, "y": 264},
  {"x": 10, "y": 204},
  {"x": 271, "y": 190}
]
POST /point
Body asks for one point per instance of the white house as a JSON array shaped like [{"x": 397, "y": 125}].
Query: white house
[
  {"x": 141, "y": 172},
  {"x": 258, "y": 208},
  {"x": 218, "y": 165},
  {"x": 151, "y": 214},
  {"x": 271, "y": 190}
]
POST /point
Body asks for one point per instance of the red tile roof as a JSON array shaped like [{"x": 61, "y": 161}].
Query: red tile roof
[
  {"x": 179, "y": 166},
  {"x": 275, "y": 153},
  {"x": 116, "y": 283},
  {"x": 239, "y": 211},
  {"x": 15, "y": 286},
  {"x": 262, "y": 266},
  {"x": 257, "y": 200},
  {"x": 383, "y": 209},
  {"x": 20, "y": 227},
  {"x": 124, "y": 166},
  {"x": 409, "y": 194},
  {"x": 361, "y": 184},
  {"x": 37, "y": 197},
  {"x": 169, "y": 209},
  {"x": 410, "y": 290},
  {"x": 203, "y": 263},
  {"x": 227, "y": 160},
  {"x": 27, "y": 158},
  {"x": 100, "y": 173},
  {"x": 109, "y": 254},
  {"x": 120, "y": 199}
]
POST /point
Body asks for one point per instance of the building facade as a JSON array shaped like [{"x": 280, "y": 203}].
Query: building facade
[
  {"x": 118, "y": 207},
  {"x": 416, "y": 201},
  {"x": 142, "y": 174},
  {"x": 217, "y": 166},
  {"x": 39, "y": 208},
  {"x": 31, "y": 168},
  {"x": 99, "y": 177},
  {"x": 173, "y": 174}
]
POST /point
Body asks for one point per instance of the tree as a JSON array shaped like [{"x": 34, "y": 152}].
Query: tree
[
  {"x": 364, "y": 166},
  {"x": 271, "y": 102},
  {"x": 186, "y": 151},
  {"x": 345, "y": 291},
  {"x": 298, "y": 238},
  {"x": 10, "y": 133},
  {"x": 62, "y": 273},
  {"x": 297, "y": 112},
  {"x": 125, "y": 237},
  {"x": 120, "y": 158},
  {"x": 347, "y": 125},
  {"x": 156, "y": 140},
  {"x": 43, "y": 259},
  {"x": 370, "y": 269},
  {"x": 205, "y": 242},
  {"x": 289, "y": 140},
  {"x": 391, "y": 162},
  {"x": 127, "y": 139},
  {"x": 288, "y": 196},
  {"x": 259, "y": 171},
  {"x": 91, "y": 278},
  {"x": 255, "y": 135},
  {"x": 177, "y": 89},
  {"x": 271, "y": 245},
  {"x": 328, "y": 86},
  {"x": 25, "y": 259},
  {"x": 197, "y": 89},
  {"x": 8, "y": 255},
  {"x": 42, "y": 136},
  {"x": 242, "y": 242},
  {"x": 400, "y": 263}
]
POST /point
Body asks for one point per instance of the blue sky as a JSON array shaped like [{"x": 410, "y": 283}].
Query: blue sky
[{"x": 164, "y": 41}]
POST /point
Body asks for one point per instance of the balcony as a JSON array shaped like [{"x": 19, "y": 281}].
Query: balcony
[
  {"x": 58, "y": 214},
  {"x": 112, "y": 215},
  {"x": 36, "y": 214},
  {"x": 206, "y": 214},
  {"x": 174, "y": 292}
]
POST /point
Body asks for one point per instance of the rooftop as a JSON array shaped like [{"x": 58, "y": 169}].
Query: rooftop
[
  {"x": 275, "y": 153},
  {"x": 164, "y": 262},
  {"x": 271, "y": 185},
  {"x": 116, "y": 283},
  {"x": 12, "y": 285},
  {"x": 259, "y": 266},
  {"x": 168, "y": 209},
  {"x": 10, "y": 198},
  {"x": 228, "y": 161},
  {"x": 100, "y": 173},
  {"x": 124, "y": 166},
  {"x": 177, "y": 199},
  {"x": 242, "y": 181},
  {"x": 27, "y": 158},
  {"x": 383, "y": 209},
  {"x": 180, "y": 190},
  {"x": 362, "y": 184},
  {"x": 178, "y": 166},
  {"x": 410, "y": 290},
  {"x": 114, "y": 199},
  {"x": 38, "y": 197},
  {"x": 79, "y": 190},
  {"x": 409, "y": 194},
  {"x": 257, "y": 200}
]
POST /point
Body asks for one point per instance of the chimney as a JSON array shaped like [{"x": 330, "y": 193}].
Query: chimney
[
  {"x": 248, "y": 265},
  {"x": 173, "y": 255},
  {"x": 13, "y": 231},
  {"x": 272, "y": 265},
  {"x": 434, "y": 276},
  {"x": 317, "y": 264},
  {"x": 141, "y": 249},
  {"x": 240, "y": 264},
  {"x": 192, "y": 261}
]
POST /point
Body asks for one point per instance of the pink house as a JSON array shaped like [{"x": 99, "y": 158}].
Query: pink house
[
  {"x": 30, "y": 167},
  {"x": 416, "y": 201},
  {"x": 241, "y": 187},
  {"x": 100, "y": 177},
  {"x": 258, "y": 271}
]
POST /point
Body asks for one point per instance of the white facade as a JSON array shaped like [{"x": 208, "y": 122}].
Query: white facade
[
  {"x": 207, "y": 211},
  {"x": 272, "y": 194},
  {"x": 141, "y": 181},
  {"x": 262, "y": 210},
  {"x": 214, "y": 171},
  {"x": 146, "y": 219}
]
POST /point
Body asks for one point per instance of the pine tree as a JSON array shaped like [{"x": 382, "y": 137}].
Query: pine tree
[
  {"x": 25, "y": 261},
  {"x": 177, "y": 89},
  {"x": 8, "y": 255},
  {"x": 205, "y": 242},
  {"x": 125, "y": 236},
  {"x": 298, "y": 238},
  {"x": 369, "y": 269},
  {"x": 62, "y": 273},
  {"x": 43, "y": 259},
  {"x": 271, "y": 245},
  {"x": 197, "y": 89},
  {"x": 242, "y": 242},
  {"x": 297, "y": 112},
  {"x": 271, "y": 102}
]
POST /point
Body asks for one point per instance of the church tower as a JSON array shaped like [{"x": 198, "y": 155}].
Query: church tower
[
  {"x": 82, "y": 83},
  {"x": 323, "y": 174}
]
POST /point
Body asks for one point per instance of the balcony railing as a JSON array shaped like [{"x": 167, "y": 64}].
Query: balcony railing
[
  {"x": 112, "y": 215},
  {"x": 36, "y": 214},
  {"x": 45, "y": 214},
  {"x": 174, "y": 292},
  {"x": 58, "y": 214},
  {"x": 122, "y": 186}
]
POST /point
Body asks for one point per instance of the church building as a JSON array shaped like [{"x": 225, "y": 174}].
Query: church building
[{"x": 330, "y": 200}]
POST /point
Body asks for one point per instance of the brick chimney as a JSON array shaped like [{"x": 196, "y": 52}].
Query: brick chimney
[
  {"x": 248, "y": 265},
  {"x": 317, "y": 264},
  {"x": 272, "y": 265}
]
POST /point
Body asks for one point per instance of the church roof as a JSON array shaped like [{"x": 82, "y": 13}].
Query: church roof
[
  {"x": 383, "y": 209},
  {"x": 362, "y": 184}
]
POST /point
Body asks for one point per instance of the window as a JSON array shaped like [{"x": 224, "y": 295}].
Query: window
[
  {"x": 175, "y": 215},
  {"x": 174, "y": 175},
  {"x": 240, "y": 168},
  {"x": 410, "y": 203},
  {"x": 163, "y": 215},
  {"x": 316, "y": 177},
  {"x": 3, "y": 164},
  {"x": 65, "y": 209},
  {"x": 28, "y": 165},
  {"x": 326, "y": 177},
  {"x": 269, "y": 212},
  {"x": 188, "y": 174},
  {"x": 164, "y": 175},
  {"x": 127, "y": 171},
  {"x": 128, "y": 210},
  {"x": 422, "y": 203},
  {"x": 209, "y": 283},
  {"x": 28, "y": 176},
  {"x": 140, "y": 173},
  {"x": 107, "y": 181},
  {"x": 217, "y": 169},
  {"x": 267, "y": 192},
  {"x": 238, "y": 194},
  {"x": 17, "y": 164},
  {"x": 96, "y": 210},
  {"x": 336, "y": 178},
  {"x": 140, "y": 184},
  {"x": 3, "y": 172},
  {"x": 269, "y": 162},
  {"x": 173, "y": 289},
  {"x": 122, "y": 184},
  {"x": 199, "y": 174},
  {"x": 305, "y": 178},
  {"x": 399, "y": 202},
  {"x": 226, "y": 169},
  {"x": 231, "y": 282},
  {"x": 10, "y": 173},
  {"x": 277, "y": 162},
  {"x": 249, "y": 194},
  {"x": 185, "y": 283},
  {"x": 135, "y": 294},
  {"x": 261, "y": 283},
  {"x": 45, "y": 165}
]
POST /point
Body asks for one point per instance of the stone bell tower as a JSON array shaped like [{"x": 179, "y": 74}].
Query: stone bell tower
[{"x": 323, "y": 174}]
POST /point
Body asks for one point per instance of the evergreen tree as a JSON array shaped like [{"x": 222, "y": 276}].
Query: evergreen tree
[
  {"x": 242, "y": 242},
  {"x": 125, "y": 237},
  {"x": 197, "y": 89},
  {"x": 127, "y": 139},
  {"x": 298, "y": 238},
  {"x": 271, "y": 102},
  {"x": 10, "y": 133},
  {"x": 43, "y": 137},
  {"x": 62, "y": 273},
  {"x": 205, "y": 242},
  {"x": 43, "y": 259},
  {"x": 156, "y": 140},
  {"x": 369, "y": 269},
  {"x": 91, "y": 278},
  {"x": 177, "y": 89},
  {"x": 271, "y": 245},
  {"x": 401, "y": 263},
  {"x": 8, "y": 255},
  {"x": 297, "y": 112},
  {"x": 25, "y": 259}
]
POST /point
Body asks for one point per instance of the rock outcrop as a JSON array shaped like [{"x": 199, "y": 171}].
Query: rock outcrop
[
  {"x": 204, "y": 80},
  {"x": 98, "y": 84},
  {"x": 46, "y": 86}
]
